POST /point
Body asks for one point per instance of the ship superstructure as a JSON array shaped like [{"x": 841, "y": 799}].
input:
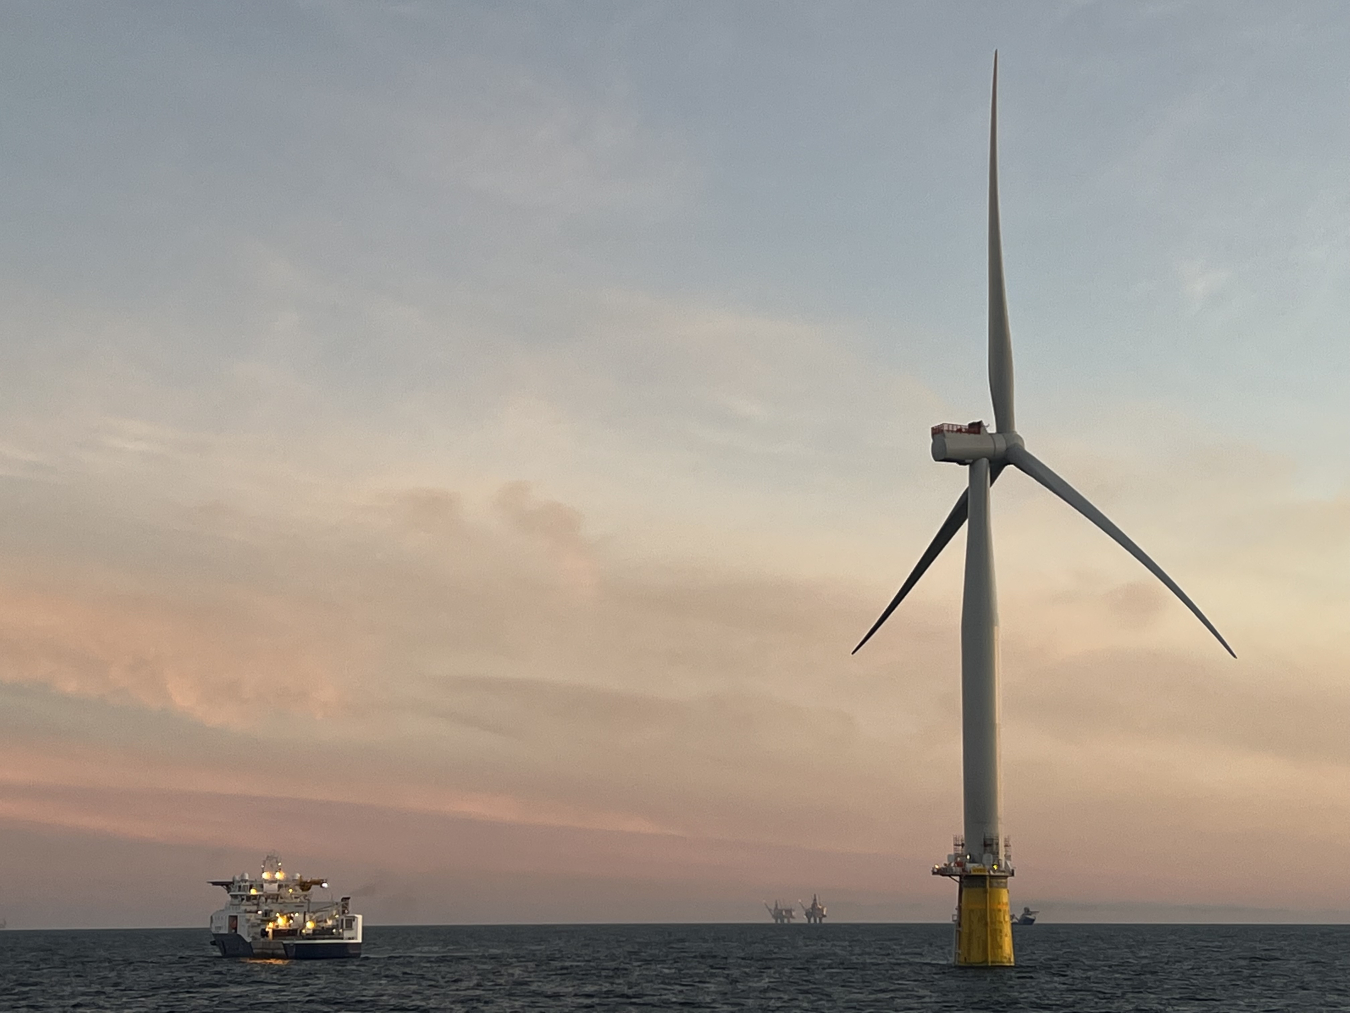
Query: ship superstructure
[{"x": 280, "y": 914}]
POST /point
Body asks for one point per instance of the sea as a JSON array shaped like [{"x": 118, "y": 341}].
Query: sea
[{"x": 1083, "y": 968}]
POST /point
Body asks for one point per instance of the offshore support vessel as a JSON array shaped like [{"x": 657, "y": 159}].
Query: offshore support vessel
[{"x": 278, "y": 915}]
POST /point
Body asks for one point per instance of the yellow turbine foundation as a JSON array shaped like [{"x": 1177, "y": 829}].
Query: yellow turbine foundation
[{"x": 983, "y": 921}]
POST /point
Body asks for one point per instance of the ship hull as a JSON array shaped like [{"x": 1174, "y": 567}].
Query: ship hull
[
  {"x": 234, "y": 945},
  {"x": 328, "y": 949},
  {"x": 231, "y": 944}
]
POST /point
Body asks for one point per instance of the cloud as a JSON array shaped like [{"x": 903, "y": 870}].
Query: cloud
[
  {"x": 220, "y": 661},
  {"x": 554, "y": 522},
  {"x": 635, "y": 610},
  {"x": 1136, "y": 604},
  {"x": 1200, "y": 281},
  {"x": 434, "y": 512},
  {"x": 525, "y": 137},
  {"x": 491, "y": 658}
]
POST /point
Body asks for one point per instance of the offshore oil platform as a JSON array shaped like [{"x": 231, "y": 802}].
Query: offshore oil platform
[
  {"x": 815, "y": 914},
  {"x": 782, "y": 914}
]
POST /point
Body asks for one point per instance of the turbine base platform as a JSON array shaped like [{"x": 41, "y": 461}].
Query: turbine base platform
[{"x": 983, "y": 919}]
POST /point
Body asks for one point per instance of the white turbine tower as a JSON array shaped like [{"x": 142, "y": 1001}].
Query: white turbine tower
[{"x": 980, "y": 863}]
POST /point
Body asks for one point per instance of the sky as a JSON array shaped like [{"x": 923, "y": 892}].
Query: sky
[{"x": 458, "y": 445}]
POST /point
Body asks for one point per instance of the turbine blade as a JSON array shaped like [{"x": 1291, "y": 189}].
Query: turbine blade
[
  {"x": 1025, "y": 461},
  {"x": 1000, "y": 335},
  {"x": 949, "y": 528}
]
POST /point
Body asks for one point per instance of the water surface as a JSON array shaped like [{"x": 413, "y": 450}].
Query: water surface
[{"x": 1082, "y": 968}]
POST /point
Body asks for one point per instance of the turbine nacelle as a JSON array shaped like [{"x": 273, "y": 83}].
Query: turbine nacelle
[{"x": 958, "y": 444}]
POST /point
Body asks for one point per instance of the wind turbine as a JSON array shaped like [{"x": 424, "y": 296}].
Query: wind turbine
[{"x": 979, "y": 862}]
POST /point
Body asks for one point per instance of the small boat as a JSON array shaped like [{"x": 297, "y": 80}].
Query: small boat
[
  {"x": 279, "y": 915},
  {"x": 1027, "y": 917}
]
